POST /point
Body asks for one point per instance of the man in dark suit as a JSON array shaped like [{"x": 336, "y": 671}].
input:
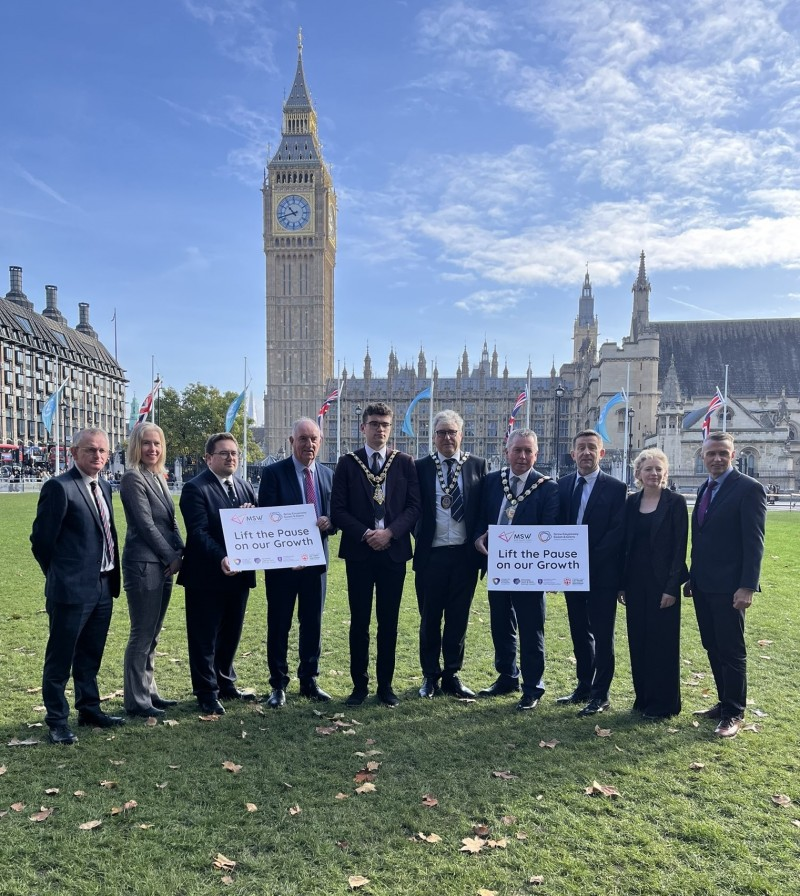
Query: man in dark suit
[
  {"x": 591, "y": 498},
  {"x": 297, "y": 480},
  {"x": 728, "y": 524},
  {"x": 445, "y": 560},
  {"x": 75, "y": 542},
  {"x": 517, "y": 495},
  {"x": 375, "y": 504},
  {"x": 216, "y": 595}
]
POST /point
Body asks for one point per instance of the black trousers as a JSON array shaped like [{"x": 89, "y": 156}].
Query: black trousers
[
  {"x": 592, "y": 616},
  {"x": 722, "y": 636},
  {"x": 523, "y": 612},
  {"x": 214, "y": 621},
  {"x": 306, "y": 589},
  {"x": 75, "y": 646},
  {"x": 445, "y": 587},
  {"x": 382, "y": 577}
]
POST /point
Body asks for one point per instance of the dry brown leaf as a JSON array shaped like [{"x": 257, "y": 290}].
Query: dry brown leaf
[
  {"x": 602, "y": 732},
  {"x": 672, "y": 730},
  {"x": 80, "y": 794},
  {"x": 151, "y": 722},
  {"x": 27, "y": 742},
  {"x": 484, "y": 892},
  {"x": 357, "y": 880},
  {"x": 324, "y": 732},
  {"x": 521, "y": 835},
  {"x": 751, "y": 727},
  {"x": 509, "y": 820},
  {"x": 364, "y": 776},
  {"x": 231, "y": 766},
  {"x": 34, "y": 725},
  {"x": 3, "y": 769},
  {"x": 51, "y": 791},
  {"x": 226, "y": 879},
  {"x": 759, "y": 713},
  {"x": 368, "y": 787},
  {"x": 796, "y": 822},
  {"x": 287, "y": 786},
  {"x": 109, "y": 785},
  {"x": 117, "y": 761},
  {"x": 211, "y": 718},
  {"x": 251, "y": 807},
  {"x": 373, "y": 766},
  {"x": 536, "y": 880},
  {"x": 18, "y": 807},
  {"x": 695, "y": 723},
  {"x": 480, "y": 830},
  {"x": 90, "y": 825},
  {"x": 765, "y": 643},
  {"x": 549, "y": 744},
  {"x": 173, "y": 767},
  {"x": 472, "y": 845},
  {"x": 170, "y": 723},
  {"x": 696, "y": 766},
  {"x": 146, "y": 827},
  {"x": 430, "y": 801},
  {"x": 42, "y": 814},
  {"x": 161, "y": 786},
  {"x": 342, "y": 844},
  {"x": 596, "y": 789},
  {"x": 295, "y": 810},
  {"x": 117, "y": 810},
  {"x": 223, "y": 863},
  {"x": 428, "y": 838},
  {"x": 370, "y": 741},
  {"x": 780, "y": 799},
  {"x": 502, "y": 843},
  {"x": 506, "y": 776},
  {"x": 342, "y": 796}
]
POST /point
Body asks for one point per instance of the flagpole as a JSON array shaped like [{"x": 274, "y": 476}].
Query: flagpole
[
  {"x": 528, "y": 403},
  {"x": 152, "y": 380},
  {"x": 57, "y": 432},
  {"x": 627, "y": 423},
  {"x": 725, "y": 403},
  {"x": 339, "y": 412},
  {"x": 430, "y": 421},
  {"x": 244, "y": 440}
]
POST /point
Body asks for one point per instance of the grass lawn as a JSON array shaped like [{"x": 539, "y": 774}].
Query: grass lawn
[{"x": 695, "y": 815}]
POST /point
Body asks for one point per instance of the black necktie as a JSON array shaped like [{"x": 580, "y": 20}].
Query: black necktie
[
  {"x": 575, "y": 503},
  {"x": 705, "y": 501},
  {"x": 380, "y": 509},
  {"x": 457, "y": 507},
  {"x": 231, "y": 493}
]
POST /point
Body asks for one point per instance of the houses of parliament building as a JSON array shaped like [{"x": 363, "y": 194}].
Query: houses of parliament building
[{"x": 673, "y": 367}]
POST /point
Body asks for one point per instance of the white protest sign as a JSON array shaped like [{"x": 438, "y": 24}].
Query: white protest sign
[
  {"x": 272, "y": 537},
  {"x": 538, "y": 558}
]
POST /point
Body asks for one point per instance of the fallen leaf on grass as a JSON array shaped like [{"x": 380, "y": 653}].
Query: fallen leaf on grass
[
  {"x": 536, "y": 879},
  {"x": 765, "y": 643},
  {"x": 90, "y": 825},
  {"x": 117, "y": 761},
  {"x": 161, "y": 786},
  {"x": 173, "y": 767},
  {"x": 752, "y": 727},
  {"x": 226, "y": 879},
  {"x": 759, "y": 713},
  {"x": 357, "y": 880},
  {"x": 117, "y": 810},
  {"x": 485, "y": 892},
  {"x": 324, "y": 732},
  {"x": 363, "y": 755},
  {"x": 480, "y": 830},
  {"x": 521, "y": 835},
  {"x": 696, "y": 766},
  {"x": 223, "y": 863},
  {"x": 549, "y": 744},
  {"x": 146, "y": 827},
  {"x": 364, "y": 776},
  {"x": 51, "y": 791},
  {"x": 508, "y": 820},
  {"x": 796, "y": 822},
  {"x": 231, "y": 766},
  {"x": 41, "y": 815},
  {"x": 672, "y": 730},
  {"x": 27, "y": 742},
  {"x": 343, "y": 844},
  {"x": 211, "y": 718},
  {"x": 170, "y": 723},
  {"x": 502, "y": 843},
  {"x": 34, "y": 725},
  {"x": 596, "y": 789},
  {"x": 764, "y": 657},
  {"x": 109, "y": 785},
  {"x": 251, "y": 807},
  {"x": 428, "y": 838},
  {"x": 695, "y": 723},
  {"x": 506, "y": 776},
  {"x": 294, "y": 810},
  {"x": 18, "y": 807},
  {"x": 602, "y": 732},
  {"x": 472, "y": 845},
  {"x": 3, "y": 769},
  {"x": 370, "y": 741},
  {"x": 342, "y": 796},
  {"x": 80, "y": 794},
  {"x": 368, "y": 787},
  {"x": 373, "y": 766},
  {"x": 780, "y": 799},
  {"x": 430, "y": 801}
]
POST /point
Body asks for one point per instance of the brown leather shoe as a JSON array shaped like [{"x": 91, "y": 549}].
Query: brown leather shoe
[
  {"x": 728, "y": 728},
  {"x": 713, "y": 712}
]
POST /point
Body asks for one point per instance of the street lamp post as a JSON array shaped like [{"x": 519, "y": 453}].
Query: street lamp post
[
  {"x": 629, "y": 471},
  {"x": 557, "y": 429}
]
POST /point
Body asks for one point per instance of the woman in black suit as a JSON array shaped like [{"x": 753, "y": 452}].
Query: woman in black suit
[
  {"x": 152, "y": 556},
  {"x": 656, "y": 532}
]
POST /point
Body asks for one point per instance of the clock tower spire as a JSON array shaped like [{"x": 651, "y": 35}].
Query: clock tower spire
[{"x": 299, "y": 212}]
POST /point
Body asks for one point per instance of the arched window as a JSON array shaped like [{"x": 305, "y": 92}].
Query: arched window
[
  {"x": 746, "y": 462},
  {"x": 699, "y": 466}
]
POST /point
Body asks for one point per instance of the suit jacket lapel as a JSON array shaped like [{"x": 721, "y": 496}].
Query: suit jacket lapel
[
  {"x": 594, "y": 496},
  {"x": 659, "y": 516},
  {"x": 362, "y": 454}
]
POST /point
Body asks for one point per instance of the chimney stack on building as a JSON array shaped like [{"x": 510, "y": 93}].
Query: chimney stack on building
[
  {"x": 15, "y": 294},
  {"x": 84, "y": 326},
  {"x": 51, "y": 311}
]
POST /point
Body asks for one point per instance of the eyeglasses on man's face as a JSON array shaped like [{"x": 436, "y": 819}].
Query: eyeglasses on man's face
[
  {"x": 226, "y": 454},
  {"x": 446, "y": 433},
  {"x": 380, "y": 424}
]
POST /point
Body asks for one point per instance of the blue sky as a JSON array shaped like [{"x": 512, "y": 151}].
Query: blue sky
[{"x": 483, "y": 153}]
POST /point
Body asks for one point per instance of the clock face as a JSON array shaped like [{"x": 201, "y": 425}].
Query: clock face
[{"x": 293, "y": 212}]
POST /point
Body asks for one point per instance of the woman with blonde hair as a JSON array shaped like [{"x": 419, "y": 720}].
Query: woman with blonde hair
[
  {"x": 151, "y": 557},
  {"x": 656, "y": 532}
]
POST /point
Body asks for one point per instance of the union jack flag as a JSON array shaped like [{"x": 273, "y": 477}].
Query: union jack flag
[
  {"x": 716, "y": 402},
  {"x": 521, "y": 399},
  {"x": 326, "y": 405},
  {"x": 147, "y": 404}
]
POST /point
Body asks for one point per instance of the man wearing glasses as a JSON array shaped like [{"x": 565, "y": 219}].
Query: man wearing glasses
[
  {"x": 375, "y": 504},
  {"x": 216, "y": 595},
  {"x": 446, "y": 564}
]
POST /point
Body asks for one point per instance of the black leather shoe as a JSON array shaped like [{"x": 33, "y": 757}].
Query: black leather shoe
[
  {"x": 99, "y": 719},
  {"x": 387, "y": 697},
  {"x": 151, "y": 712},
  {"x": 576, "y": 696},
  {"x": 161, "y": 703},
  {"x": 61, "y": 734},
  {"x": 429, "y": 687},
  {"x": 356, "y": 698},
  {"x": 504, "y": 685},
  {"x": 454, "y": 687},
  {"x": 527, "y": 701},
  {"x": 593, "y": 707},
  {"x": 276, "y": 698},
  {"x": 211, "y": 707},
  {"x": 713, "y": 712},
  {"x": 236, "y": 694},
  {"x": 313, "y": 691}
]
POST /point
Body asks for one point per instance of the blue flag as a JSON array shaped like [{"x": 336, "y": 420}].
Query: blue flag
[
  {"x": 233, "y": 410},
  {"x": 50, "y": 407},
  {"x": 619, "y": 398},
  {"x": 407, "y": 428}
]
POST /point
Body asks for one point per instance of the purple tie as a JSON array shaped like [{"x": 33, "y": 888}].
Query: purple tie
[
  {"x": 705, "y": 501},
  {"x": 311, "y": 492}
]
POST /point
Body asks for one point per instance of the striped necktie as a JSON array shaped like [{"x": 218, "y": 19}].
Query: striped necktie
[
  {"x": 108, "y": 538},
  {"x": 457, "y": 507}
]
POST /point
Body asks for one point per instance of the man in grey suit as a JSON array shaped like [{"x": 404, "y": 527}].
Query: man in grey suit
[
  {"x": 298, "y": 479},
  {"x": 728, "y": 524},
  {"x": 75, "y": 543}
]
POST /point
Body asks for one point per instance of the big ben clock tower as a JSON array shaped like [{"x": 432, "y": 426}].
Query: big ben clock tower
[{"x": 300, "y": 250}]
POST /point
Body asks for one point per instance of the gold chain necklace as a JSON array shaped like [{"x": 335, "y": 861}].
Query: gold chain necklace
[
  {"x": 376, "y": 481},
  {"x": 512, "y": 501}
]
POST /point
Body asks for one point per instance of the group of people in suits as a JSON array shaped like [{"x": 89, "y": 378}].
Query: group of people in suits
[{"x": 377, "y": 498}]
